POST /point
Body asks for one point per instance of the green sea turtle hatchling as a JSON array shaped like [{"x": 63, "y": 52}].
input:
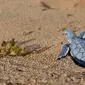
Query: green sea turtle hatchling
[{"x": 76, "y": 47}]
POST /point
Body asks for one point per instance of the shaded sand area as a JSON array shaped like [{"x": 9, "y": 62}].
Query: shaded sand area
[{"x": 39, "y": 26}]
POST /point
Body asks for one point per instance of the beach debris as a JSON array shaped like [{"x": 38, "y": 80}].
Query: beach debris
[{"x": 11, "y": 48}]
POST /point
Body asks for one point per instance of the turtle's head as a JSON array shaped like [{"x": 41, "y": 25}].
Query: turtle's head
[{"x": 69, "y": 35}]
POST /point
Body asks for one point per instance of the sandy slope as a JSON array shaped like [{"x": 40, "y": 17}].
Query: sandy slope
[{"x": 40, "y": 27}]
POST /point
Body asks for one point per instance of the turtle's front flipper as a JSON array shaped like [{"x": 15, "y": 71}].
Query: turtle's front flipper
[
  {"x": 64, "y": 51},
  {"x": 82, "y": 35}
]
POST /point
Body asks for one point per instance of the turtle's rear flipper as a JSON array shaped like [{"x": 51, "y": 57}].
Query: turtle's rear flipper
[
  {"x": 64, "y": 51},
  {"x": 82, "y": 35}
]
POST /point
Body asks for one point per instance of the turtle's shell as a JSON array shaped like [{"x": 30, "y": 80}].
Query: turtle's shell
[{"x": 77, "y": 50}]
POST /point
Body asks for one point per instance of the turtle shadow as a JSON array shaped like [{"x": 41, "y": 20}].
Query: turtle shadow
[
  {"x": 75, "y": 61},
  {"x": 83, "y": 66}
]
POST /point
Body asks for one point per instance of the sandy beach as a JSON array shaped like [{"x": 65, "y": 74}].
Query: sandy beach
[{"x": 38, "y": 25}]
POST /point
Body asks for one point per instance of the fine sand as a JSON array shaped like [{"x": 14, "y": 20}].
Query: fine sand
[{"x": 39, "y": 26}]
